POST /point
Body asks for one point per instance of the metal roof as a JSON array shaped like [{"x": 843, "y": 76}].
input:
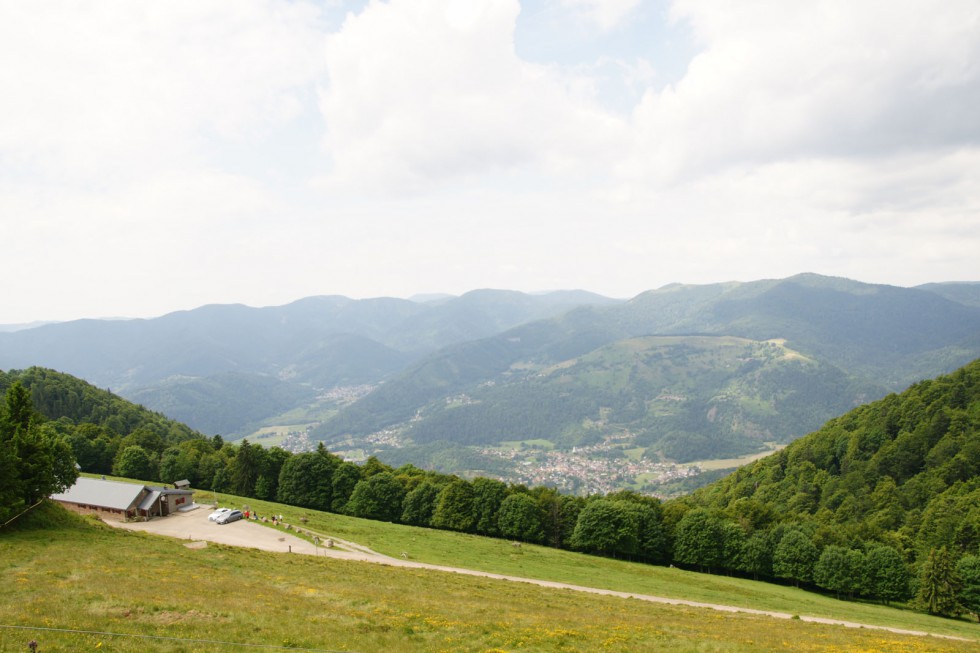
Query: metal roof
[
  {"x": 148, "y": 500},
  {"x": 167, "y": 490},
  {"x": 97, "y": 492}
]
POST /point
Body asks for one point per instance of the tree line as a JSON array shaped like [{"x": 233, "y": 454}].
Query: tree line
[{"x": 845, "y": 509}]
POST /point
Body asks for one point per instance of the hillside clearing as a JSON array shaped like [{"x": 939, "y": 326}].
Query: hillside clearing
[
  {"x": 254, "y": 535},
  {"x": 79, "y": 575}
]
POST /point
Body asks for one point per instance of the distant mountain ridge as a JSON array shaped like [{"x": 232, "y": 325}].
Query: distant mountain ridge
[
  {"x": 439, "y": 364},
  {"x": 316, "y": 342},
  {"x": 876, "y": 338}
]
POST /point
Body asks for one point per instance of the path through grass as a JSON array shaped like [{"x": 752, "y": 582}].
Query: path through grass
[
  {"x": 499, "y": 556},
  {"x": 68, "y": 572}
]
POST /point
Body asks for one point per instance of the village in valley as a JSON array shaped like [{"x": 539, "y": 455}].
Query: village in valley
[
  {"x": 582, "y": 471},
  {"x": 594, "y": 469}
]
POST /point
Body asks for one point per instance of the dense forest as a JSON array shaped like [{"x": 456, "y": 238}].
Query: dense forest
[
  {"x": 34, "y": 461},
  {"x": 881, "y": 503},
  {"x": 896, "y": 479}
]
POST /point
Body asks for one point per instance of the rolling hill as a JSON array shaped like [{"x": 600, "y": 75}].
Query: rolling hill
[
  {"x": 688, "y": 397},
  {"x": 851, "y": 342},
  {"x": 497, "y": 366},
  {"x": 181, "y": 362}
]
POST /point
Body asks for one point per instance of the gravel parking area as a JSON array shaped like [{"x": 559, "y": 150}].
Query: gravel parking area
[{"x": 194, "y": 525}]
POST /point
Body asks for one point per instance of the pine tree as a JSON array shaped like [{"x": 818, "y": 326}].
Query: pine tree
[
  {"x": 939, "y": 584},
  {"x": 245, "y": 469},
  {"x": 34, "y": 461}
]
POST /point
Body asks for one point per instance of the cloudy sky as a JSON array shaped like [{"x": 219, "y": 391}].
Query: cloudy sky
[{"x": 160, "y": 156}]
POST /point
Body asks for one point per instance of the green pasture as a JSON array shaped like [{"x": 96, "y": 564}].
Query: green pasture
[
  {"x": 500, "y": 556},
  {"x": 61, "y": 573}
]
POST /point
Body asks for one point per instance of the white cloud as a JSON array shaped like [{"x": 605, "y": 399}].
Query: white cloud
[
  {"x": 421, "y": 92},
  {"x": 122, "y": 129},
  {"x": 121, "y": 251},
  {"x": 607, "y": 14},
  {"x": 158, "y": 156},
  {"x": 101, "y": 92},
  {"x": 782, "y": 81}
]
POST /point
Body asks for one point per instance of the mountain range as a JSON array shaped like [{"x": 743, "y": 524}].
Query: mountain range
[{"x": 683, "y": 372}]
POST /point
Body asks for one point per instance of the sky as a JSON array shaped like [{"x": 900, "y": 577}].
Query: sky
[{"x": 160, "y": 156}]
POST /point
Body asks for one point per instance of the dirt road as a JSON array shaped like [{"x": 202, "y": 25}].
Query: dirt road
[{"x": 194, "y": 526}]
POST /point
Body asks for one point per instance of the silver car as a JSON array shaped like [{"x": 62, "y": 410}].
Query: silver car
[{"x": 230, "y": 516}]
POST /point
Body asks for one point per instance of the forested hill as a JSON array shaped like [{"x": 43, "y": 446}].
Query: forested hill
[
  {"x": 903, "y": 471},
  {"x": 65, "y": 398},
  {"x": 864, "y": 339},
  {"x": 107, "y": 434},
  {"x": 50, "y": 422}
]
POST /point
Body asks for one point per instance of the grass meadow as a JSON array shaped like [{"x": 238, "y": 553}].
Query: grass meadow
[
  {"x": 59, "y": 571},
  {"x": 545, "y": 563}
]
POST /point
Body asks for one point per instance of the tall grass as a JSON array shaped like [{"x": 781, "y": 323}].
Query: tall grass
[
  {"x": 65, "y": 572},
  {"x": 544, "y": 563}
]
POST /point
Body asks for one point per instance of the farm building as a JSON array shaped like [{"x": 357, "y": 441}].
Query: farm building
[{"x": 122, "y": 501}]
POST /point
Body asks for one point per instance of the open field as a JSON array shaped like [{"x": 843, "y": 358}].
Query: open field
[
  {"x": 519, "y": 445},
  {"x": 274, "y": 435},
  {"x": 78, "y": 574},
  {"x": 732, "y": 463},
  {"x": 498, "y": 556}
]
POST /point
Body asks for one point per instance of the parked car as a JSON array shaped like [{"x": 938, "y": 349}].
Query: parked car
[
  {"x": 218, "y": 513},
  {"x": 230, "y": 516}
]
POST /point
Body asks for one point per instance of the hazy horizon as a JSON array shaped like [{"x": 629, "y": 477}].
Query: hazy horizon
[
  {"x": 156, "y": 158},
  {"x": 421, "y": 297}
]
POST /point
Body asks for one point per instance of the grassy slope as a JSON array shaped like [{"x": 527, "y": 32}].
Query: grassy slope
[
  {"x": 72, "y": 573},
  {"x": 498, "y": 556}
]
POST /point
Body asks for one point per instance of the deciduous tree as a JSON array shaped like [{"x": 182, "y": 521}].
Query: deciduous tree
[
  {"x": 839, "y": 570},
  {"x": 605, "y": 527},
  {"x": 519, "y": 518},
  {"x": 420, "y": 503},
  {"x": 135, "y": 462},
  {"x": 454, "y": 508},
  {"x": 698, "y": 540},
  {"x": 305, "y": 480},
  {"x": 968, "y": 570},
  {"x": 379, "y": 496},
  {"x": 345, "y": 479},
  {"x": 488, "y": 494},
  {"x": 886, "y": 574},
  {"x": 794, "y": 557}
]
